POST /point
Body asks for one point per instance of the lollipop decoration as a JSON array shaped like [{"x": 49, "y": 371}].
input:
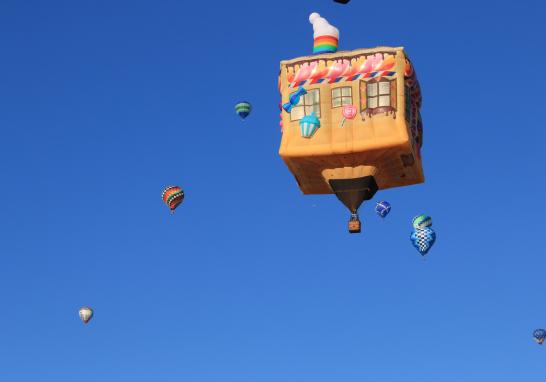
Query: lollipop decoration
[
  {"x": 423, "y": 236},
  {"x": 349, "y": 112}
]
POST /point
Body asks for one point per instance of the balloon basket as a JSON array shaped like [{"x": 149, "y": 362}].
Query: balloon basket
[{"x": 354, "y": 226}]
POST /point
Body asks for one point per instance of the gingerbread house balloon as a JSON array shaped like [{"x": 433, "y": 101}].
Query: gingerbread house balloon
[{"x": 352, "y": 158}]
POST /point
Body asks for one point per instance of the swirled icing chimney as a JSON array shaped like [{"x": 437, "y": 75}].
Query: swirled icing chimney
[{"x": 326, "y": 36}]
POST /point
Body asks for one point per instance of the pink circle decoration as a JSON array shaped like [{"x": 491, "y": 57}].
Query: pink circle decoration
[{"x": 349, "y": 111}]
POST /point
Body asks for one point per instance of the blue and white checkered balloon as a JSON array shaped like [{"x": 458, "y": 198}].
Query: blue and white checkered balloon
[{"x": 423, "y": 239}]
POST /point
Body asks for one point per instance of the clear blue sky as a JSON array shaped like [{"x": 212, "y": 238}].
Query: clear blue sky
[{"x": 103, "y": 103}]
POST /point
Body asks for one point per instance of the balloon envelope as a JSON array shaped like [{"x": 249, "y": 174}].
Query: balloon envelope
[
  {"x": 172, "y": 196},
  {"x": 243, "y": 109},
  {"x": 539, "y": 335},
  {"x": 86, "y": 313},
  {"x": 383, "y": 208},
  {"x": 423, "y": 239},
  {"x": 421, "y": 221}
]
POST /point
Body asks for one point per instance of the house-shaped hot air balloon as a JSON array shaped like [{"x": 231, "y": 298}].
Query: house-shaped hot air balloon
[{"x": 352, "y": 158}]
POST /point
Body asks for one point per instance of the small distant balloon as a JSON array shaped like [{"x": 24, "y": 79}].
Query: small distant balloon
[
  {"x": 86, "y": 314},
  {"x": 341, "y": 1},
  {"x": 422, "y": 221},
  {"x": 540, "y": 336},
  {"x": 172, "y": 196},
  {"x": 243, "y": 109},
  {"x": 423, "y": 239},
  {"x": 383, "y": 208}
]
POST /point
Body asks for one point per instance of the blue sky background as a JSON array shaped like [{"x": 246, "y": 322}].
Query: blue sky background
[{"x": 103, "y": 103}]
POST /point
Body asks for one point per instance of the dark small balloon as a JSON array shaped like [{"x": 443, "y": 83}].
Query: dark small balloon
[
  {"x": 540, "y": 336},
  {"x": 383, "y": 208}
]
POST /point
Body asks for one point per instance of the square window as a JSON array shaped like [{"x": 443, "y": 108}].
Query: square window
[
  {"x": 346, "y": 92},
  {"x": 312, "y": 109},
  {"x": 308, "y": 104},
  {"x": 346, "y": 101},
  {"x": 372, "y": 102},
  {"x": 336, "y": 102},
  {"x": 384, "y": 88},
  {"x": 297, "y": 113},
  {"x": 312, "y": 97},
  {"x": 384, "y": 100},
  {"x": 372, "y": 89},
  {"x": 336, "y": 93}
]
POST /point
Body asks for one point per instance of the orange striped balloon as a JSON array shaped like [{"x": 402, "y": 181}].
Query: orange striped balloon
[{"x": 172, "y": 196}]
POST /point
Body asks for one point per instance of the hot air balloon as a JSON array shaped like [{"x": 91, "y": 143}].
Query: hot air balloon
[
  {"x": 379, "y": 148},
  {"x": 86, "y": 313},
  {"x": 243, "y": 109},
  {"x": 383, "y": 208},
  {"x": 421, "y": 221},
  {"x": 540, "y": 336},
  {"x": 172, "y": 196},
  {"x": 423, "y": 239},
  {"x": 341, "y": 1}
]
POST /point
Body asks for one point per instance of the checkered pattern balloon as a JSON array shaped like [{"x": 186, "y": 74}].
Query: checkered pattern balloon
[{"x": 423, "y": 239}]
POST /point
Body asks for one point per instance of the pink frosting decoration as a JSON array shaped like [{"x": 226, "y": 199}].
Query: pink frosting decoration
[
  {"x": 377, "y": 60},
  {"x": 350, "y": 71},
  {"x": 304, "y": 72},
  {"x": 336, "y": 69}
]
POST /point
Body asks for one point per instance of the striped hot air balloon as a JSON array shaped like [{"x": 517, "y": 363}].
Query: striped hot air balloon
[
  {"x": 309, "y": 125},
  {"x": 86, "y": 313},
  {"x": 243, "y": 109},
  {"x": 421, "y": 221},
  {"x": 172, "y": 196}
]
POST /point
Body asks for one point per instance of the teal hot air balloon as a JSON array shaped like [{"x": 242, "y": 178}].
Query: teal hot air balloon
[
  {"x": 309, "y": 125},
  {"x": 243, "y": 109}
]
